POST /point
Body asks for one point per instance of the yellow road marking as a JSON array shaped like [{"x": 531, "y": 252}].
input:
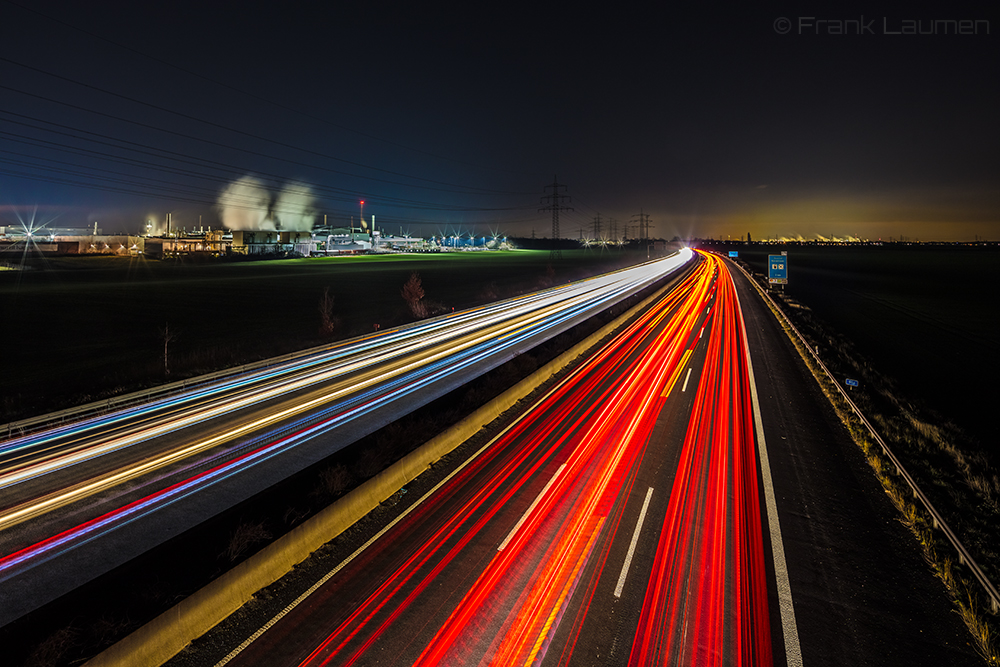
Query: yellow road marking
[{"x": 677, "y": 374}]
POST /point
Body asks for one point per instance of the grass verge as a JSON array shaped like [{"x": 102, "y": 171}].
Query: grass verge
[{"x": 925, "y": 451}]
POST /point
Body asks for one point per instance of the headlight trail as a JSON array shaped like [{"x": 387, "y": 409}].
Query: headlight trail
[
  {"x": 531, "y": 522},
  {"x": 332, "y": 387},
  {"x": 556, "y": 539}
]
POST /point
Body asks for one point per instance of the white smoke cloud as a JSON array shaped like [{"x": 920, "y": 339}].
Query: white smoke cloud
[
  {"x": 293, "y": 210},
  {"x": 246, "y": 204}
]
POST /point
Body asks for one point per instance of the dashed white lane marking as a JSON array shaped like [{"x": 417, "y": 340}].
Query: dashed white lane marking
[
  {"x": 686, "y": 378},
  {"x": 252, "y": 638},
  {"x": 635, "y": 540},
  {"x": 524, "y": 517},
  {"x": 793, "y": 651}
]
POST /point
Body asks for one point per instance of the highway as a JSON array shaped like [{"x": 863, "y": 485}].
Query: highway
[
  {"x": 618, "y": 521},
  {"x": 635, "y": 514},
  {"x": 79, "y": 499}
]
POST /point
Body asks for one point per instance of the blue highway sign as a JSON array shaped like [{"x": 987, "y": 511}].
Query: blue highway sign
[{"x": 777, "y": 269}]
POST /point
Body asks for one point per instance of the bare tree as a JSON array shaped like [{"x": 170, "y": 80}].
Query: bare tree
[
  {"x": 490, "y": 292},
  {"x": 413, "y": 293},
  {"x": 246, "y": 535},
  {"x": 168, "y": 336},
  {"x": 549, "y": 278},
  {"x": 334, "y": 480},
  {"x": 327, "y": 322}
]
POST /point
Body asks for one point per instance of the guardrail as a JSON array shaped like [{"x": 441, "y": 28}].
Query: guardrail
[
  {"x": 81, "y": 412},
  {"x": 964, "y": 556}
]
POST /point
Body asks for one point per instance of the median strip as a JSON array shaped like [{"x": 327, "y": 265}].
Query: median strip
[{"x": 166, "y": 635}]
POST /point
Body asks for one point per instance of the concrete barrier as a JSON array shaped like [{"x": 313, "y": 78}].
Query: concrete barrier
[{"x": 164, "y": 637}]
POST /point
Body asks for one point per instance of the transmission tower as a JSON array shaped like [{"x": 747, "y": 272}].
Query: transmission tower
[
  {"x": 555, "y": 205},
  {"x": 597, "y": 227},
  {"x": 643, "y": 220}
]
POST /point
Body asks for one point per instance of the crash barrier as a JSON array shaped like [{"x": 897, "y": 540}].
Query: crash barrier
[
  {"x": 166, "y": 635},
  {"x": 938, "y": 521}
]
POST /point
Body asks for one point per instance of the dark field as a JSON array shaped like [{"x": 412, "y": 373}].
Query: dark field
[
  {"x": 83, "y": 328},
  {"x": 926, "y": 316}
]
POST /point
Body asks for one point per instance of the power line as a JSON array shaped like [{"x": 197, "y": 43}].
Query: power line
[
  {"x": 463, "y": 188},
  {"x": 183, "y": 158},
  {"x": 259, "y": 98}
]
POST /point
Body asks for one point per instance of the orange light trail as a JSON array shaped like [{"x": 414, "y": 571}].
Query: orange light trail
[
  {"x": 706, "y": 599},
  {"x": 602, "y": 456}
]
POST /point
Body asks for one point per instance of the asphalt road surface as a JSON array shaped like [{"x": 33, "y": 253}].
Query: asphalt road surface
[
  {"x": 77, "y": 500},
  {"x": 655, "y": 507}
]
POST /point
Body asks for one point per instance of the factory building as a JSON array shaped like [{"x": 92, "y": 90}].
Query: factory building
[
  {"x": 271, "y": 242},
  {"x": 65, "y": 244}
]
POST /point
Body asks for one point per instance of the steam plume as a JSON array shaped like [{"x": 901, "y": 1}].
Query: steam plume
[{"x": 244, "y": 204}]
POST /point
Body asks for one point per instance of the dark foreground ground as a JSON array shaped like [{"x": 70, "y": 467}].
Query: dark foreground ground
[
  {"x": 85, "y": 328},
  {"x": 78, "y": 625}
]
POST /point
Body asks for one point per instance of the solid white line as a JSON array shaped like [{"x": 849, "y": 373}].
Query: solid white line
[
  {"x": 793, "y": 651},
  {"x": 631, "y": 546},
  {"x": 236, "y": 651},
  {"x": 686, "y": 378},
  {"x": 524, "y": 517}
]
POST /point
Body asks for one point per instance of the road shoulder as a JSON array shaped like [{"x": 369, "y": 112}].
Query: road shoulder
[{"x": 862, "y": 592}]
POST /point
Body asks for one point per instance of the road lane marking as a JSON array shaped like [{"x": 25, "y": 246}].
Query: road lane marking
[
  {"x": 677, "y": 374},
  {"x": 793, "y": 651},
  {"x": 684, "y": 388},
  {"x": 524, "y": 517},
  {"x": 344, "y": 563},
  {"x": 631, "y": 546}
]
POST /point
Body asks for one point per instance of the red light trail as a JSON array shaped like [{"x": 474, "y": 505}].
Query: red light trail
[
  {"x": 509, "y": 553},
  {"x": 707, "y": 599}
]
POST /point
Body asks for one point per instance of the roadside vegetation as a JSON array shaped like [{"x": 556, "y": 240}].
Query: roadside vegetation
[{"x": 950, "y": 468}]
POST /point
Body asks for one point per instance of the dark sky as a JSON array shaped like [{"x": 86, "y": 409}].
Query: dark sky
[{"x": 454, "y": 118}]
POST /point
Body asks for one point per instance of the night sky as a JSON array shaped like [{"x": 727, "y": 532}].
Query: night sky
[{"x": 716, "y": 122}]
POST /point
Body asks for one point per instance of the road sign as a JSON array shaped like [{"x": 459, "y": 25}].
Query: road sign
[
  {"x": 850, "y": 383},
  {"x": 734, "y": 253},
  {"x": 777, "y": 269}
]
